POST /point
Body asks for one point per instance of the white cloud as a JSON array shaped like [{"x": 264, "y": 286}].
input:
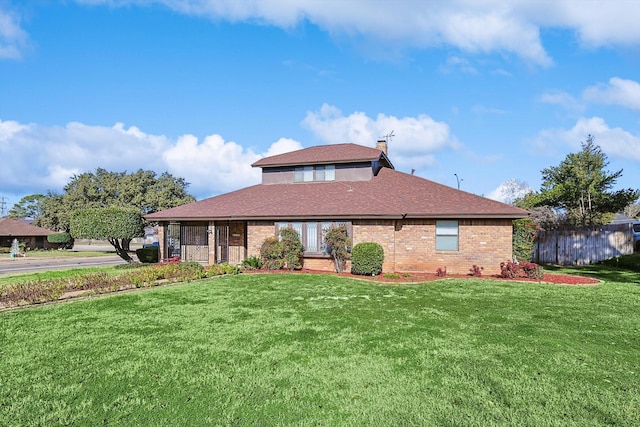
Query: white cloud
[
  {"x": 53, "y": 154},
  {"x": 562, "y": 99},
  {"x": 471, "y": 26},
  {"x": 613, "y": 141},
  {"x": 13, "y": 39},
  {"x": 618, "y": 92},
  {"x": 216, "y": 166},
  {"x": 455, "y": 62},
  {"x": 416, "y": 139}
]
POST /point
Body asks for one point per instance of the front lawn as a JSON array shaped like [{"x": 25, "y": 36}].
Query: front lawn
[{"x": 324, "y": 350}]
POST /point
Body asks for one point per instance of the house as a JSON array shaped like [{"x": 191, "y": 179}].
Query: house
[
  {"x": 421, "y": 225},
  {"x": 33, "y": 237}
]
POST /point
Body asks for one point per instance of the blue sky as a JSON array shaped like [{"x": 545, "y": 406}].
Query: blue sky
[{"x": 491, "y": 91}]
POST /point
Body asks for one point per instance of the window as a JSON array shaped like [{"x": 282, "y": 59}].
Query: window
[
  {"x": 312, "y": 234},
  {"x": 314, "y": 173},
  {"x": 446, "y": 235}
]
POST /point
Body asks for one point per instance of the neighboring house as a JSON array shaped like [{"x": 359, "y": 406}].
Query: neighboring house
[
  {"x": 33, "y": 237},
  {"x": 421, "y": 225},
  {"x": 621, "y": 218}
]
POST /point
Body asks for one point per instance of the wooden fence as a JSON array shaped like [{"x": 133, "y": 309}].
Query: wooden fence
[{"x": 582, "y": 247}]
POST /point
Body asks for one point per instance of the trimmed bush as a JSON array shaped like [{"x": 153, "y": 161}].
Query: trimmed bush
[
  {"x": 292, "y": 250},
  {"x": 271, "y": 253},
  {"x": 367, "y": 259},
  {"x": 148, "y": 255},
  {"x": 530, "y": 270},
  {"x": 338, "y": 244},
  {"x": 63, "y": 240}
]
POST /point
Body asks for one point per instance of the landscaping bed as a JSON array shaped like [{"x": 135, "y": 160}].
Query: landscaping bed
[{"x": 413, "y": 277}]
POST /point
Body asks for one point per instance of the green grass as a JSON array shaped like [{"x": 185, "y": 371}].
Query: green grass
[
  {"x": 64, "y": 254},
  {"x": 57, "y": 274},
  {"x": 322, "y": 350}
]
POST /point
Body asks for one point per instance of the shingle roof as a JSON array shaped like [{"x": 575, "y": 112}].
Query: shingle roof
[
  {"x": 324, "y": 154},
  {"x": 14, "y": 227},
  {"x": 390, "y": 194}
]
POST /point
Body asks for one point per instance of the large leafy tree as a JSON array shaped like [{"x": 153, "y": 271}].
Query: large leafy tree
[
  {"x": 581, "y": 188},
  {"x": 29, "y": 207},
  {"x": 143, "y": 190},
  {"x": 117, "y": 225}
]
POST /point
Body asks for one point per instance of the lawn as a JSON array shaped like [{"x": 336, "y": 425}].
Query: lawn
[{"x": 302, "y": 349}]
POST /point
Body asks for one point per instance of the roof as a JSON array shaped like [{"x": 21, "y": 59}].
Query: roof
[
  {"x": 18, "y": 228},
  {"x": 389, "y": 195},
  {"x": 621, "y": 218},
  {"x": 325, "y": 154}
]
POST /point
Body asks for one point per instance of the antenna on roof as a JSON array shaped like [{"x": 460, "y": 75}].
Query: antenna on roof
[
  {"x": 388, "y": 136},
  {"x": 383, "y": 142}
]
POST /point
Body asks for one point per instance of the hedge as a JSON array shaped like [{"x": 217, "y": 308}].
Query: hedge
[{"x": 367, "y": 258}]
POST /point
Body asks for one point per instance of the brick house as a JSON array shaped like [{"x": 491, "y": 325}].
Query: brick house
[
  {"x": 421, "y": 225},
  {"x": 33, "y": 237}
]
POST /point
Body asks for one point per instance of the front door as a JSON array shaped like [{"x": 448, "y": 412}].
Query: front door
[{"x": 222, "y": 242}]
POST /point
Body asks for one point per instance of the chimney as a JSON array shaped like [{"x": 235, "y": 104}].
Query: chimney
[{"x": 382, "y": 145}]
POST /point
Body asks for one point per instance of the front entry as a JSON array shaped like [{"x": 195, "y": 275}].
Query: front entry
[
  {"x": 188, "y": 241},
  {"x": 230, "y": 242}
]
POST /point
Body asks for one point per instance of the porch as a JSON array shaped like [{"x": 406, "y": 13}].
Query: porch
[{"x": 211, "y": 242}]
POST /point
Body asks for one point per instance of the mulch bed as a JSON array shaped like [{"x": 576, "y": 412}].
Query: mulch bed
[{"x": 558, "y": 279}]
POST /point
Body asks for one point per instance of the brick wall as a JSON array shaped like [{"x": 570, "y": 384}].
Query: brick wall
[
  {"x": 257, "y": 231},
  {"x": 410, "y": 245},
  {"x": 161, "y": 240}
]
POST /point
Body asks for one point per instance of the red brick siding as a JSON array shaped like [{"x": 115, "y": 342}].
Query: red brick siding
[
  {"x": 410, "y": 245},
  {"x": 257, "y": 231},
  {"x": 161, "y": 240}
]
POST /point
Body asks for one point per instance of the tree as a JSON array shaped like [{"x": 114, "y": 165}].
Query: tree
[
  {"x": 582, "y": 188},
  {"x": 143, "y": 190},
  {"x": 29, "y": 207},
  {"x": 114, "y": 224},
  {"x": 338, "y": 244},
  {"x": 292, "y": 250},
  {"x": 632, "y": 210},
  {"x": 512, "y": 190}
]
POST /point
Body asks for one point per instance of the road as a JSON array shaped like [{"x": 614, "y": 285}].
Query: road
[{"x": 33, "y": 265}]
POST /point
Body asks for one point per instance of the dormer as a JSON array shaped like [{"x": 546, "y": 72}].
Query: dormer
[{"x": 338, "y": 162}]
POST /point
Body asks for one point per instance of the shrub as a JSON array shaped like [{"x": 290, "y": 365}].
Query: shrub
[
  {"x": 532, "y": 270},
  {"x": 252, "y": 263},
  {"x": 148, "y": 255},
  {"x": 222, "y": 269},
  {"x": 524, "y": 237},
  {"x": 512, "y": 270},
  {"x": 476, "y": 270},
  {"x": 292, "y": 250},
  {"x": 367, "y": 258},
  {"x": 63, "y": 240},
  {"x": 391, "y": 275},
  {"x": 441, "y": 272},
  {"x": 337, "y": 243},
  {"x": 271, "y": 253}
]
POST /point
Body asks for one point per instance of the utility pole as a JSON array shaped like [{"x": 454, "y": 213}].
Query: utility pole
[{"x": 3, "y": 207}]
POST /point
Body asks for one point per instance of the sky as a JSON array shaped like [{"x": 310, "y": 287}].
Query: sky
[{"x": 475, "y": 93}]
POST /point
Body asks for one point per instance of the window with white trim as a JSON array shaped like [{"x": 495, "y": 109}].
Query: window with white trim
[
  {"x": 314, "y": 173},
  {"x": 447, "y": 235},
  {"x": 312, "y": 234}
]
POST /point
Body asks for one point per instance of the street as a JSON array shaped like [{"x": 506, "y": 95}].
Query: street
[{"x": 35, "y": 264}]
